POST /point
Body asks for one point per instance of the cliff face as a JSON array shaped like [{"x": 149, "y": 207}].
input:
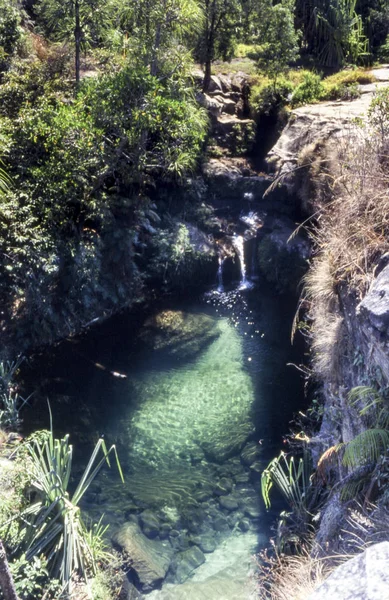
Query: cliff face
[{"x": 336, "y": 168}]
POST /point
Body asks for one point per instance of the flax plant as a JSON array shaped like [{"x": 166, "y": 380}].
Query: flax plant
[{"x": 53, "y": 525}]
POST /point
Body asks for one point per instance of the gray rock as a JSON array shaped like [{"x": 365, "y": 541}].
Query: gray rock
[
  {"x": 150, "y": 523},
  {"x": 207, "y": 543},
  {"x": 220, "y": 524},
  {"x": 215, "y": 84},
  {"x": 187, "y": 562},
  {"x": 223, "y": 487},
  {"x": 148, "y": 558},
  {"x": 244, "y": 525},
  {"x": 228, "y": 502},
  {"x": 375, "y": 306},
  {"x": 250, "y": 453},
  {"x": 364, "y": 577}
]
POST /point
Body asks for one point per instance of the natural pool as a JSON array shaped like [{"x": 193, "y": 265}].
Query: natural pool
[{"x": 197, "y": 399}]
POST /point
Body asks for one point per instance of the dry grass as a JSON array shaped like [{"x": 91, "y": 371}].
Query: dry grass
[
  {"x": 350, "y": 234},
  {"x": 292, "y": 577}
]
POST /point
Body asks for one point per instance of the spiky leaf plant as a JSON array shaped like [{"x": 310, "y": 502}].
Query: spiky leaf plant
[
  {"x": 292, "y": 480},
  {"x": 53, "y": 526}
]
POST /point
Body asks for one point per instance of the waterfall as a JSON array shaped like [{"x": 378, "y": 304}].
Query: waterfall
[
  {"x": 220, "y": 286},
  {"x": 238, "y": 243}
]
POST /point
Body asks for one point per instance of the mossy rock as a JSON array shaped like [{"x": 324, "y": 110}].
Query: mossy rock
[{"x": 178, "y": 333}]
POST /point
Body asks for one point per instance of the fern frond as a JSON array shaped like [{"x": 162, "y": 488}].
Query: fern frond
[
  {"x": 352, "y": 488},
  {"x": 366, "y": 447},
  {"x": 362, "y": 393}
]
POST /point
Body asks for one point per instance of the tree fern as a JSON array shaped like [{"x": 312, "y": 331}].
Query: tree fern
[{"x": 366, "y": 447}]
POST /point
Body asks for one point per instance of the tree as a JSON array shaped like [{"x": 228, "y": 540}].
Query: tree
[
  {"x": 83, "y": 20},
  {"x": 216, "y": 37},
  {"x": 157, "y": 26},
  {"x": 279, "y": 43}
]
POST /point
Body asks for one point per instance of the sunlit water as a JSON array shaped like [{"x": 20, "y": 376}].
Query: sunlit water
[{"x": 193, "y": 435}]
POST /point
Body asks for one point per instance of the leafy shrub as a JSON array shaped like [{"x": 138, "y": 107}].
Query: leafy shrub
[
  {"x": 267, "y": 96},
  {"x": 10, "y": 31},
  {"x": 309, "y": 90}
]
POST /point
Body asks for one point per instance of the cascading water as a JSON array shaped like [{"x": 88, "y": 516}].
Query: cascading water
[
  {"x": 238, "y": 243},
  {"x": 220, "y": 286}
]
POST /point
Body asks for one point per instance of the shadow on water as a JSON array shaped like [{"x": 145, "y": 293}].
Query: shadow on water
[{"x": 194, "y": 428}]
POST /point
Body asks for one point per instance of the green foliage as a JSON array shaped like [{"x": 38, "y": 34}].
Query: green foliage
[
  {"x": 339, "y": 35},
  {"x": 310, "y": 90},
  {"x": 53, "y": 525},
  {"x": 267, "y": 96},
  {"x": 31, "y": 578},
  {"x": 10, "y": 31},
  {"x": 279, "y": 48},
  {"x": 367, "y": 447},
  {"x": 292, "y": 480},
  {"x": 11, "y": 402}
]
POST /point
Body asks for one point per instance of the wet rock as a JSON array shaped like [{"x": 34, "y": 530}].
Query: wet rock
[
  {"x": 187, "y": 562},
  {"x": 256, "y": 467},
  {"x": 244, "y": 525},
  {"x": 223, "y": 487},
  {"x": 150, "y": 559},
  {"x": 232, "y": 178},
  {"x": 364, "y": 577},
  {"x": 178, "y": 333},
  {"x": 150, "y": 523},
  {"x": 164, "y": 531},
  {"x": 252, "y": 508},
  {"x": 129, "y": 591},
  {"x": 242, "y": 479},
  {"x": 207, "y": 543},
  {"x": 220, "y": 524},
  {"x": 250, "y": 453},
  {"x": 228, "y": 502}
]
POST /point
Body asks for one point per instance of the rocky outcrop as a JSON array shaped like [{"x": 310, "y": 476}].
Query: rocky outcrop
[
  {"x": 315, "y": 124},
  {"x": 148, "y": 558},
  {"x": 364, "y": 577}
]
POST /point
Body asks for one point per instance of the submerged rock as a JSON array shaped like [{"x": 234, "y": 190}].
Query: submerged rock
[
  {"x": 187, "y": 562},
  {"x": 364, "y": 577},
  {"x": 179, "y": 333},
  {"x": 148, "y": 558}
]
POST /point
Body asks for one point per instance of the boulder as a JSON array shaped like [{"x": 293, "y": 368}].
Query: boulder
[
  {"x": 233, "y": 179},
  {"x": 364, "y": 577},
  {"x": 187, "y": 562},
  {"x": 150, "y": 559},
  {"x": 215, "y": 84},
  {"x": 150, "y": 523},
  {"x": 374, "y": 308},
  {"x": 228, "y": 502},
  {"x": 223, "y": 487}
]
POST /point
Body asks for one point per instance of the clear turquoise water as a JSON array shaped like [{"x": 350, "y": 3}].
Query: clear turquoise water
[{"x": 180, "y": 425}]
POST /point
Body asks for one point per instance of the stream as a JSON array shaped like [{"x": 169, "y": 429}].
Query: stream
[{"x": 196, "y": 408}]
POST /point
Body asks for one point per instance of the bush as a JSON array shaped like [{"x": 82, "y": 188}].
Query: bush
[
  {"x": 268, "y": 96},
  {"x": 309, "y": 90},
  {"x": 10, "y": 32}
]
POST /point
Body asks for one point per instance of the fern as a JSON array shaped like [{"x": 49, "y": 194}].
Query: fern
[{"x": 366, "y": 447}]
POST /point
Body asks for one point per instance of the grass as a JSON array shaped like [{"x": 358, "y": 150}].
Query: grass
[{"x": 291, "y": 577}]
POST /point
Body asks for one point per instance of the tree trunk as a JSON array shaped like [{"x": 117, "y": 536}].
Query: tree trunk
[
  {"x": 7, "y": 585},
  {"x": 77, "y": 39}
]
